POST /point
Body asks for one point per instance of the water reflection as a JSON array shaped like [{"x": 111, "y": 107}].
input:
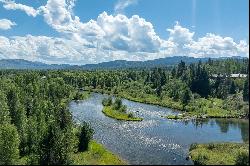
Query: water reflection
[
  {"x": 224, "y": 124},
  {"x": 155, "y": 140},
  {"x": 243, "y": 125}
]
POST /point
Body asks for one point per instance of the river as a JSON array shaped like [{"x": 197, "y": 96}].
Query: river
[{"x": 154, "y": 140}]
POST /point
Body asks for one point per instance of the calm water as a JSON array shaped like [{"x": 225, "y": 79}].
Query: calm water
[{"x": 155, "y": 140}]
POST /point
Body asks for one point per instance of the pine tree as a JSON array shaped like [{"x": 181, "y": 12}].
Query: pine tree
[
  {"x": 85, "y": 136},
  {"x": 232, "y": 88},
  {"x": 186, "y": 97},
  {"x": 4, "y": 109},
  {"x": 9, "y": 143},
  {"x": 246, "y": 90}
]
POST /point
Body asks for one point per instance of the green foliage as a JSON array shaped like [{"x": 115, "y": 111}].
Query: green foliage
[
  {"x": 35, "y": 102},
  {"x": 220, "y": 154},
  {"x": 86, "y": 134},
  {"x": 57, "y": 146},
  {"x": 9, "y": 143},
  {"x": 242, "y": 158},
  {"x": 117, "y": 114},
  {"x": 97, "y": 155},
  {"x": 37, "y": 106},
  {"x": 117, "y": 104},
  {"x": 246, "y": 90},
  {"x": 130, "y": 115},
  {"x": 193, "y": 146},
  {"x": 107, "y": 101},
  {"x": 232, "y": 88},
  {"x": 186, "y": 97},
  {"x": 4, "y": 110},
  {"x": 201, "y": 159},
  {"x": 81, "y": 95}
]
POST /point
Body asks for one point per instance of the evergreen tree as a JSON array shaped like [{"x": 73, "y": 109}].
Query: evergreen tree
[
  {"x": 9, "y": 143},
  {"x": 4, "y": 109},
  {"x": 85, "y": 136},
  {"x": 186, "y": 97},
  {"x": 246, "y": 89},
  {"x": 57, "y": 147},
  {"x": 232, "y": 88}
]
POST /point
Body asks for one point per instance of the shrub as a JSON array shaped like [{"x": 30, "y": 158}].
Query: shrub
[
  {"x": 211, "y": 146},
  {"x": 117, "y": 104},
  {"x": 86, "y": 134},
  {"x": 123, "y": 109},
  {"x": 193, "y": 146},
  {"x": 107, "y": 101},
  {"x": 242, "y": 158},
  {"x": 201, "y": 159},
  {"x": 130, "y": 115}
]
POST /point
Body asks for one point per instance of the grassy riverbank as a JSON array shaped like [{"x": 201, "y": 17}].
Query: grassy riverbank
[
  {"x": 97, "y": 155},
  {"x": 112, "y": 113},
  {"x": 220, "y": 154},
  {"x": 197, "y": 108}
]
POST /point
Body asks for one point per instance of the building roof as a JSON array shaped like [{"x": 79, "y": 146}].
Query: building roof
[{"x": 232, "y": 75}]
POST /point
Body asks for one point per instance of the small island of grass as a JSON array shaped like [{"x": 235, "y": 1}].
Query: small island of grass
[
  {"x": 220, "y": 154},
  {"x": 117, "y": 110}
]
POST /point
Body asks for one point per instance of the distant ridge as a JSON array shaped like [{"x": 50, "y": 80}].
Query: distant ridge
[
  {"x": 118, "y": 64},
  {"x": 24, "y": 64}
]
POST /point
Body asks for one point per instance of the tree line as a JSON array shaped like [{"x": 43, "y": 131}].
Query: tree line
[{"x": 36, "y": 126}]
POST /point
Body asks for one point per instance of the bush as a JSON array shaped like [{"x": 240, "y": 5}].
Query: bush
[
  {"x": 107, "y": 101},
  {"x": 117, "y": 104},
  {"x": 123, "y": 109},
  {"x": 193, "y": 146},
  {"x": 242, "y": 158},
  {"x": 211, "y": 146},
  {"x": 201, "y": 159},
  {"x": 86, "y": 134},
  {"x": 196, "y": 96},
  {"x": 130, "y": 115}
]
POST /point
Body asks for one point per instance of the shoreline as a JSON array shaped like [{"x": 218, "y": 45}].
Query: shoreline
[
  {"x": 219, "y": 153},
  {"x": 165, "y": 106},
  {"x": 98, "y": 154}
]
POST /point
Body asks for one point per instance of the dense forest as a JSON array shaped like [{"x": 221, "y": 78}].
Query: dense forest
[
  {"x": 204, "y": 88},
  {"x": 36, "y": 125}
]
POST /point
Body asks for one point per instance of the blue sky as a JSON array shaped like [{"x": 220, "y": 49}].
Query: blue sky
[{"x": 61, "y": 31}]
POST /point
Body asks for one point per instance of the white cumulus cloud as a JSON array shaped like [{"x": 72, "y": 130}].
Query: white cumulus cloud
[
  {"x": 59, "y": 50},
  {"x": 11, "y": 5},
  {"x": 133, "y": 34},
  {"x": 6, "y": 24},
  {"x": 108, "y": 37},
  {"x": 123, "y": 4},
  {"x": 215, "y": 45}
]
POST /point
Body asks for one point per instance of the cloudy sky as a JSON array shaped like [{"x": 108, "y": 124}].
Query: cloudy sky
[{"x": 93, "y": 31}]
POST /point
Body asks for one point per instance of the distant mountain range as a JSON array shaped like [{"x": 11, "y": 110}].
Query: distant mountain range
[
  {"x": 118, "y": 64},
  {"x": 24, "y": 64}
]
